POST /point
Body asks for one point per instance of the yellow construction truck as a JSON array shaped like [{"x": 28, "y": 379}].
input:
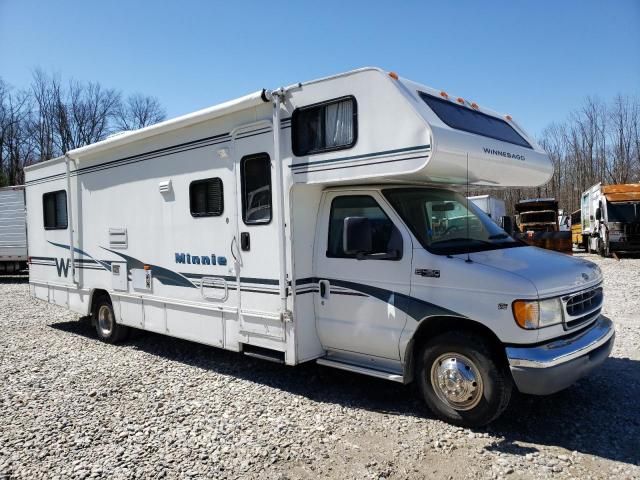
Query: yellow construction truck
[{"x": 576, "y": 230}]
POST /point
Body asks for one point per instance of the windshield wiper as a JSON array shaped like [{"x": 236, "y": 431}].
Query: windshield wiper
[{"x": 498, "y": 236}]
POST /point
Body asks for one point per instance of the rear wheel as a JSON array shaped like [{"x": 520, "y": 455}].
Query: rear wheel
[
  {"x": 461, "y": 381},
  {"x": 105, "y": 322}
]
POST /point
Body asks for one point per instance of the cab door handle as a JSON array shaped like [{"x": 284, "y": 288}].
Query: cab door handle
[{"x": 324, "y": 288}]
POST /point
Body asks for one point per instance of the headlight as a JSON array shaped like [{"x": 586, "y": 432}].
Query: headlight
[{"x": 532, "y": 314}]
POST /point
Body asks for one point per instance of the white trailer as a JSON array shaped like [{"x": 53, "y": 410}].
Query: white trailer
[
  {"x": 13, "y": 230},
  {"x": 318, "y": 222},
  {"x": 492, "y": 206}
]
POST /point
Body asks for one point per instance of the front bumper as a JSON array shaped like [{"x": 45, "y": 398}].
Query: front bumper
[
  {"x": 624, "y": 246},
  {"x": 553, "y": 366}
]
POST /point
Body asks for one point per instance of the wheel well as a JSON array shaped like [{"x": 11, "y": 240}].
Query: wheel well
[
  {"x": 433, "y": 326},
  {"x": 96, "y": 295}
]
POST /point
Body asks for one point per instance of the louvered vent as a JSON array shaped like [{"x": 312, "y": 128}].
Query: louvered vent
[
  {"x": 165, "y": 186},
  {"x": 118, "y": 237}
]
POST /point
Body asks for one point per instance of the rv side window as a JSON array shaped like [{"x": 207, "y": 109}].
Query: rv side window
[
  {"x": 206, "y": 197},
  {"x": 385, "y": 236},
  {"x": 256, "y": 189},
  {"x": 463, "y": 118},
  {"x": 54, "y": 207},
  {"x": 324, "y": 126}
]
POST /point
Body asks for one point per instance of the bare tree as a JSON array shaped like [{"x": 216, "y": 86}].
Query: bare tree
[
  {"x": 16, "y": 145},
  {"x": 139, "y": 111},
  {"x": 84, "y": 116},
  {"x": 46, "y": 94}
]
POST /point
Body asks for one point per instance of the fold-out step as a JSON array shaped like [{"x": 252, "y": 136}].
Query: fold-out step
[
  {"x": 263, "y": 353},
  {"x": 349, "y": 367}
]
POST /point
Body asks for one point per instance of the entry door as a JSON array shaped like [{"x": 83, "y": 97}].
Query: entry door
[
  {"x": 360, "y": 303},
  {"x": 256, "y": 239}
]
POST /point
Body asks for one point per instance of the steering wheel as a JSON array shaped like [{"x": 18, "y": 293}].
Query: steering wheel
[{"x": 453, "y": 228}]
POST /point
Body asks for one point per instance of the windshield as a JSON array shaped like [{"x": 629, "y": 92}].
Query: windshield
[
  {"x": 623, "y": 212},
  {"x": 442, "y": 223}
]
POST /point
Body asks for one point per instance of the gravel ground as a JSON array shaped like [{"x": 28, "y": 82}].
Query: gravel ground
[{"x": 156, "y": 407}]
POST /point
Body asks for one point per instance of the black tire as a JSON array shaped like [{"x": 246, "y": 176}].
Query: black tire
[
  {"x": 491, "y": 395},
  {"x": 108, "y": 331}
]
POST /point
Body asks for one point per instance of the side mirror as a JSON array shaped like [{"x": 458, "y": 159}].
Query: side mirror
[
  {"x": 598, "y": 213},
  {"x": 357, "y": 236},
  {"x": 507, "y": 224}
]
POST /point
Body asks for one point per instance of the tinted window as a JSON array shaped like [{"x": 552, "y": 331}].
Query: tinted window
[
  {"x": 463, "y": 118},
  {"x": 324, "y": 127},
  {"x": 256, "y": 189},
  {"x": 54, "y": 206},
  {"x": 206, "y": 198},
  {"x": 386, "y": 238}
]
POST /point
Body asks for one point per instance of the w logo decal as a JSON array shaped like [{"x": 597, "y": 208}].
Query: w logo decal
[{"x": 62, "y": 265}]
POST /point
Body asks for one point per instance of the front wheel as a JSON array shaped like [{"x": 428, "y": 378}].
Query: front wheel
[
  {"x": 105, "y": 321},
  {"x": 461, "y": 380}
]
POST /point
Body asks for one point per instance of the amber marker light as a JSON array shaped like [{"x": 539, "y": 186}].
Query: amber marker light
[
  {"x": 147, "y": 267},
  {"x": 393, "y": 75},
  {"x": 461, "y": 100},
  {"x": 508, "y": 117},
  {"x": 443, "y": 94},
  {"x": 526, "y": 313},
  {"x": 474, "y": 105}
]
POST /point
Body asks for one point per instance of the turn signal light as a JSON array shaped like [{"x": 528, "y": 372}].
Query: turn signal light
[{"x": 526, "y": 313}]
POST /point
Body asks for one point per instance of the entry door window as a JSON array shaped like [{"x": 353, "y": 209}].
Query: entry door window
[
  {"x": 385, "y": 236},
  {"x": 255, "y": 173}
]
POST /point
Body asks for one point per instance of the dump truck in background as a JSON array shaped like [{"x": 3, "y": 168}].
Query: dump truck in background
[
  {"x": 13, "y": 230},
  {"x": 537, "y": 225},
  {"x": 611, "y": 218}
]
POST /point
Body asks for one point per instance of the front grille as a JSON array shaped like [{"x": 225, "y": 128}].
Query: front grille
[{"x": 582, "y": 307}]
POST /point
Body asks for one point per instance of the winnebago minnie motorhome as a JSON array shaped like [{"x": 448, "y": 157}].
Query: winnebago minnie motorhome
[{"x": 316, "y": 222}]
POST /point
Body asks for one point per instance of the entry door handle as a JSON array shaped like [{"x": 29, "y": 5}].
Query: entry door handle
[
  {"x": 245, "y": 241},
  {"x": 325, "y": 288}
]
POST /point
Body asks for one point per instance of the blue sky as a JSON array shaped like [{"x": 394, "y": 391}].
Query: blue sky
[{"x": 536, "y": 60}]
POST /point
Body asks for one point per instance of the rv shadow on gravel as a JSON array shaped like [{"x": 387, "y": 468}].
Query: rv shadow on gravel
[
  {"x": 17, "y": 278},
  {"x": 597, "y": 416}
]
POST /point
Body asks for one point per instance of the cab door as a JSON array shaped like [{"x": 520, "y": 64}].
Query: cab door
[{"x": 361, "y": 299}]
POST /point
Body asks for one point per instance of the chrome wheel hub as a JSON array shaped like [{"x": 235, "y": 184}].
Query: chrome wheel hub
[
  {"x": 105, "y": 321},
  {"x": 456, "y": 381}
]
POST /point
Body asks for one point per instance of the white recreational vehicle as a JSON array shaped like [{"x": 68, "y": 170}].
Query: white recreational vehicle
[
  {"x": 13, "y": 230},
  {"x": 316, "y": 222}
]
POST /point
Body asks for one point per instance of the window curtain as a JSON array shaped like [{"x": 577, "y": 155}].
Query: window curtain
[
  {"x": 61, "y": 209},
  {"x": 338, "y": 124}
]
